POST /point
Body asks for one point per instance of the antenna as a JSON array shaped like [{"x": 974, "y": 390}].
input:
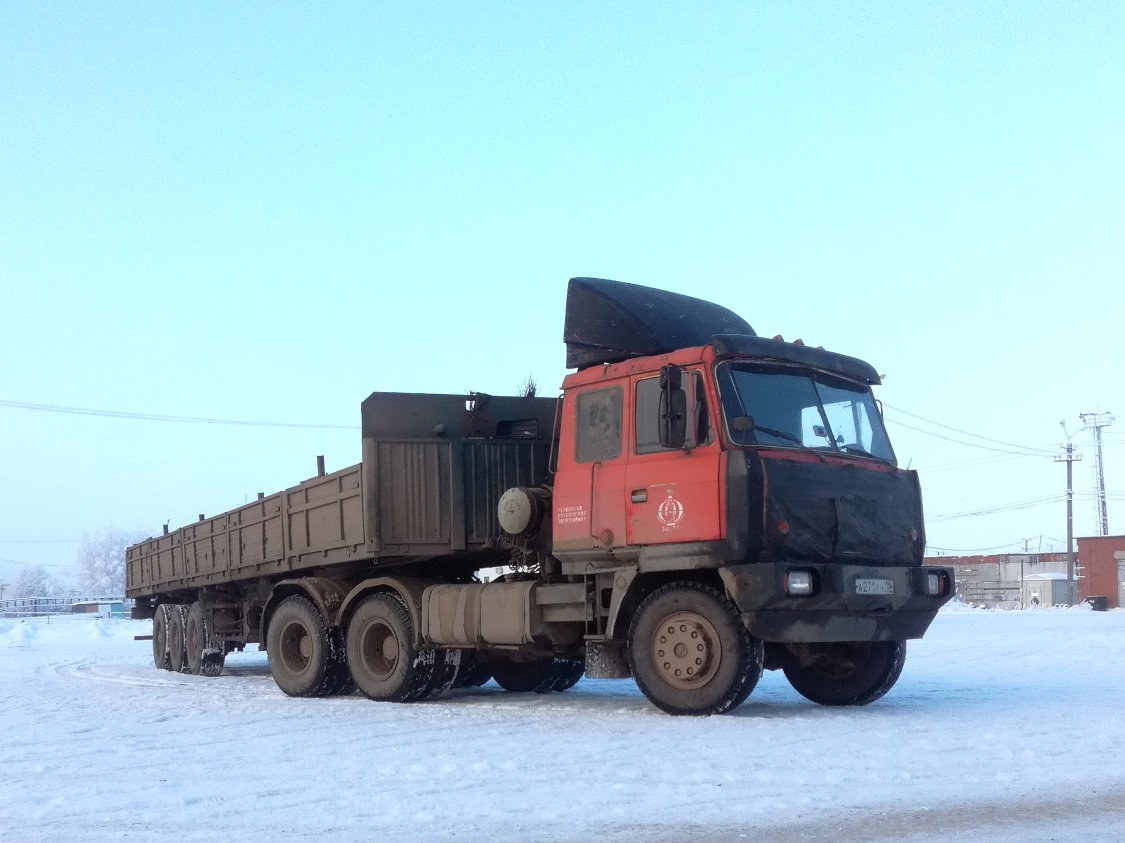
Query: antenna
[{"x": 1096, "y": 421}]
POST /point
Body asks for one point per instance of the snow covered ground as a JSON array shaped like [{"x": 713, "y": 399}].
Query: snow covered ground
[{"x": 1005, "y": 726}]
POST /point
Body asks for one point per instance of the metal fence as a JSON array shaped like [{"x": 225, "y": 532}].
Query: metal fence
[{"x": 39, "y": 607}]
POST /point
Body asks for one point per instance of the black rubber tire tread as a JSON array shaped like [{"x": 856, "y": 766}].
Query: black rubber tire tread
[
  {"x": 195, "y": 640},
  {"x": 570, "y": 671},
  {"x": 736, "y": 675},
  {"x": 877, "y": 670},
  {"x": 447, "y": 664},
  {"x": 213, "y": 661},
  {"x": 471, "y": 672},
  {"x": 340, "y": 682},
  {"x": 538, "y": 675},
  {"x": 313, "y": 678},
  {"x": 160, "y": 622},
  {"x": 177, "y": 659},
  {"x": 412, "y": 676}
]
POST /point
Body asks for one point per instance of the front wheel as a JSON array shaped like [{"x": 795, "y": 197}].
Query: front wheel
[
  {"x": 845, "y": 673},
  {"x": 690, "y": 652}
]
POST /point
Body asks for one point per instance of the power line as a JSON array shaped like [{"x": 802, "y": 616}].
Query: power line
[
  {"x": 1024, "y": 453},
  {"x": 41, "y": 541},
  {"x": 121, "y": 414},
  {"x": 34, "y": 564},
  {"x": 994, "y": 547},
  {"x": 958, "y": 430},
  {"x": 1008, "y": 507}
]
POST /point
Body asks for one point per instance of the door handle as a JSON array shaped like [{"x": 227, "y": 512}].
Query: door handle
[{"x": 639, "y": 495}]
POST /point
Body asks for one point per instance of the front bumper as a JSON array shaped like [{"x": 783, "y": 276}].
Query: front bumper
[{"x": 835, "y": 610}]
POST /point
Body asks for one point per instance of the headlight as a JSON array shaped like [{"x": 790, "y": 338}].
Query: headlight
[
  {"x": 935, "y": 584},
  {"x": 799, "y": 583}
]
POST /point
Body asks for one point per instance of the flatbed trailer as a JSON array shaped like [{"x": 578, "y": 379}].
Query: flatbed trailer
[{"x": 698, "y": 505}]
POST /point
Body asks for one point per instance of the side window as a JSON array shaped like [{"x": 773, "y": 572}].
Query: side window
[
  {"x": 646, "y": 417},
  {"x": 598, "y": 426},
  {"x": 700, "y": 414}
]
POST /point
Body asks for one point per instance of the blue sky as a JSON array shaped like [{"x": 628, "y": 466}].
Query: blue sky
[{"x": 265, "y": 212}]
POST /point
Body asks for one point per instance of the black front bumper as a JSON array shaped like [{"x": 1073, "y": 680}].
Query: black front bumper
[{"x": 835, "y": 611}]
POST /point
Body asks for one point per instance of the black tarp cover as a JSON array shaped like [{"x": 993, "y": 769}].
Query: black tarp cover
[{"x": 611, "y": 321}]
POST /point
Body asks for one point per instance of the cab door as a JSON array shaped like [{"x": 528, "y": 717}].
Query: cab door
[
  {"x": 589, "y": 493},
  {"x": 672, "y": 495}
]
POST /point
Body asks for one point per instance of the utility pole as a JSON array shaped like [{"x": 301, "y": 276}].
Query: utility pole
[
  {"x": 1096, "y": 421},
  {"x": 1071, "y": 589}
]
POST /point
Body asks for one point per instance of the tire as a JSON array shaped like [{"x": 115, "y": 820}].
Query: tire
[
  {"x": 690, "y": 652},
  {"x": 195, "y": 639},
  {"x": 471, "y": 673},
  {"x": 846, "y": 673},
  {"x": 213, "y": 661},
  {"x": 447, "y": 665},
  {"x": 339, "y": 681},
  {"x": 538, "y": 675},
  {"x": 297, "y": 648},
  {"x": 569, "y": 673},
  {"x": 160, "y": 623},
  {"x": 177, "y": 661},
  {"x": 384, "y": 662}
]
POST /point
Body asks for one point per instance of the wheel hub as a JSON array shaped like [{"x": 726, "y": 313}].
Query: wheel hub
[
  {"x": 379, "y": 648},
  {"x": 686, "y": 650}
]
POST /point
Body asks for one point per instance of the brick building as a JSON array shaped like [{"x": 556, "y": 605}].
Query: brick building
[
  {"x": 999, "y": 581},
  {"x": 1103, "y": 568}
]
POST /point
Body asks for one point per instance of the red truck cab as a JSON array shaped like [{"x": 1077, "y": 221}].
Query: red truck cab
[{"x": 757, "y": 463}]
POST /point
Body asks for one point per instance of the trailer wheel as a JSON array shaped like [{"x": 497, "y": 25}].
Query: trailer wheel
[
  {"x": 195, "y": 639},
  {"x": 297, "y": 648},
  {"x": 160, "y": 623},
  {"x": 177, "y": 659},
  {"x": 690, "y": 652},
  {"x": 538, "y": 675},
  {"x": 845, "y": 673},
  {"x": 213, "y": 661},
  {"x": 384, "y": 662}
]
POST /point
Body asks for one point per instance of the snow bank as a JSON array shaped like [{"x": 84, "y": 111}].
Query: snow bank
[{"x": 1004, "y": 725}]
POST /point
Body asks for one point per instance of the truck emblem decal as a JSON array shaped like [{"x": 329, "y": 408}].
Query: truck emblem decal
[{"x": 670, "y": 512}]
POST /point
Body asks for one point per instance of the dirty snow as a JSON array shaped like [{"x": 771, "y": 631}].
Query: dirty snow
[{"x": 1005, "y": 726}]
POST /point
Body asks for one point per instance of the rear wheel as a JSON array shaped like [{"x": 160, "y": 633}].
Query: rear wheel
[
  {"x": 384, "y": 661},
  {"x": 160, "y": 623},
  {"x": 297, "y": 647},
  {"x": 177, "y": 659},
  {"x": 195, "y": 639},
  {"x": 690, "y": 652},
  {"x": 847, "y": 672}
]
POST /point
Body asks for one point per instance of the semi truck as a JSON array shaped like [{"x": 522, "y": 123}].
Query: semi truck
[{"x": 698, "y": 505}]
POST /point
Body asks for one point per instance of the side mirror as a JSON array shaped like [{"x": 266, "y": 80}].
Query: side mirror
[{"x": 672, "y": 429}]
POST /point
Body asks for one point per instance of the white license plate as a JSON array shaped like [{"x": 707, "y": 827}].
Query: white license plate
[{"x": 874, "y": 586}]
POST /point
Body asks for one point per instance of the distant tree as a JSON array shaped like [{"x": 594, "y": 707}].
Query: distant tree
[
  {"x": 101, "y": 561},
  {"x": 529, "y": 388},
  {"x": 34, "y": 581}
]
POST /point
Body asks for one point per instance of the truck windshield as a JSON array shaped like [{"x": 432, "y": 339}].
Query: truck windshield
[{"x": 794, "y": 407}]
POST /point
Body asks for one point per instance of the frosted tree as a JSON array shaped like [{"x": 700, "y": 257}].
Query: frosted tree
[
  {"x": 34, "y": 581},
  {"x": 101, "y": 561}
]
